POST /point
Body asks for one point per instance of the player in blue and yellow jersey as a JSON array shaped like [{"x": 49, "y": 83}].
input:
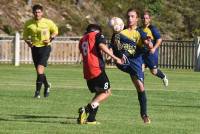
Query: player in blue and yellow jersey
[
  {"x": 90, "y": 46},
  {"x": 129, "y": 44},
  {"x": 38, "y": 33},
  {"x": 151, "y": 56}
]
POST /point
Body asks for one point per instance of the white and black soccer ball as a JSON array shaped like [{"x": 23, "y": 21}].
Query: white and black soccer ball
[{"x": 116, "y": 24}]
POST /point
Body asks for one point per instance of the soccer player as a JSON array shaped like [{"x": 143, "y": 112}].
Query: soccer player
[
  {"x": 151, "y": 56},
  {"x": 38, "y": 33},
  {"x": 129, "y": 45},
  {"x": 91, "y": 45}
]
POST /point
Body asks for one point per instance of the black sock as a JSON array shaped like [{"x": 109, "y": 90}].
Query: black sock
[
  {"x": 46, "y": 85},
  {"x": 143, "y": 103},
  {"x": 92, "y": 113},
  {"x": 39, "y": 82},
  {"x": 160, "y": 74}
]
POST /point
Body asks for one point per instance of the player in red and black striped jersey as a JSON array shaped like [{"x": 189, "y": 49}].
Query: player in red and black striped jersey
[{"x": 91, "y": 45}]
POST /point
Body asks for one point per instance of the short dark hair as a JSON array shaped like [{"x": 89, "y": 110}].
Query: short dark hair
[
  {"x": 93, "y": 27},
  {"x": 37, "y": 7},
  {"x": 146, "y": 12},
  {"x": 132, "y": 10}
]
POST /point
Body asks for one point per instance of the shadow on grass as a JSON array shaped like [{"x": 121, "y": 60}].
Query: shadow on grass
[
  {"x": 39, "y": 119},
  {"x": 181, "y": 106}
]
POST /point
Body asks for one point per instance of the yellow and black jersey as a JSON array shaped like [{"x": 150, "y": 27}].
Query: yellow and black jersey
[
  {"x": 152, "y": 32},
  {"x": 127, "y": 41}
]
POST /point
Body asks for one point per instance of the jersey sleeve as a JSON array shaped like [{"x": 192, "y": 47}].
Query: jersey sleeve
[
  {"x": 53, "y": 27},
  {"x": 155, "y": 32},
  {"x": 100, "y": 39},
  {"x": 25, "y": 31},
  {"x": 143, "y": 35}
]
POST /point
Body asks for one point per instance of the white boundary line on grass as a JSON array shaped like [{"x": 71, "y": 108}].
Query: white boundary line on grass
[{"x": 77, "y": 87}]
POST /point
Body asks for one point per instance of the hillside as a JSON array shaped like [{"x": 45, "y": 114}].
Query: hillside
[{"x": 176, "y": 19}]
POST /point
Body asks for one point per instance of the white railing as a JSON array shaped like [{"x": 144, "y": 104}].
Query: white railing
[
  {"x": 15, "y": 50},
  {"x": 172, "y": 54}
]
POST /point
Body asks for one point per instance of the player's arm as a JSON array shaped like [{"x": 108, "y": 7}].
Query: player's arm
[
  {"x": 101, "y": 42},
  {"x": 30, "y": 44},
  {"x": 53, "y": 32},
  {"x": 158, "y": 43},
  {"x": 105, "y": 49},
  {"x": 145, "y": 39},
  {"x": 148, "y": 43},
  {"x": 157, "y": 37},
  {"x": 26, "y": 35},
  {"x": 51, "y": 38}
]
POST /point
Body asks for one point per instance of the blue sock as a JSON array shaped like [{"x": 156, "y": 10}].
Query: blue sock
[
  {"x": 143, "y": 103},
  {"x": 160, "y": 74}
]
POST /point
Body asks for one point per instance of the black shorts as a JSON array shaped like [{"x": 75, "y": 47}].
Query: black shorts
[
  {"x": 40, "y": 55},
  {"x": 99, "y": 84}
]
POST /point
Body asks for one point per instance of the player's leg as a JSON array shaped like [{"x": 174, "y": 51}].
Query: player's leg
[
  {"x": 102, "y": 92},
  {"x": 38, "y": 86},
  {"x": 151, "y": 60},
  {"x": 158, "y": 72},
  {"x": 94, "y": 104},
  {"x": 142, "y": 98},
  {"x": 83, "y": 114},
  {"x": 44, "y": 56},
  {"x": 101, "y": 87},
  {"x": 35, "y": 57},
  {"x": 137, "y": 77},
  {"x": 40, "y": 79}
]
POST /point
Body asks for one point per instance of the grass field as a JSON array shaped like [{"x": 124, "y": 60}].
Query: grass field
[{"x": 173, "y": 110}]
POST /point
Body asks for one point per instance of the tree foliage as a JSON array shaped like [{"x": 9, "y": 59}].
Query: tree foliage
[{"x": 175, "y": 18}]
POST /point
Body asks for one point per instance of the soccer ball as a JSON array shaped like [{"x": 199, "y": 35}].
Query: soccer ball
[{"x": 116, "y": 24}]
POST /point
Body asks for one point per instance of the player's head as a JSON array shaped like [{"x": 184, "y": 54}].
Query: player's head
[
  {"x": 132, "y": 16},
  {"x": 146, "y": 18},
  {"x": 37, "y": 11},
  {"x": 93, "y": 27}
]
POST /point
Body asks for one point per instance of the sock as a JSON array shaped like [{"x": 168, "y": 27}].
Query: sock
[
  {"x": 160, "y": 74},
  {"x": 94, "y": 105},
  {"x": 46, "y": 85},
  {"x": 143, "y": 103},
  {"x": 92, "y": 113},
  {"x": 39, "y": 82}
]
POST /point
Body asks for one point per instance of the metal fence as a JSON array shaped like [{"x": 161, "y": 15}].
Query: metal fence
[
  {"x": 177, "y": 54},
  {"x": 172, "y": 54}
]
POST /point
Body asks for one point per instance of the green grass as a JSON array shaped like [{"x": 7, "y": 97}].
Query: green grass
[{"x": 173, "y": 110}]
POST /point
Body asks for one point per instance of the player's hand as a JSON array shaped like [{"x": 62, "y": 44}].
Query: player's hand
[
  {"x": 150, "y": 45},
  {"x": 119, "y": 61},
  {"x": 152, "y": 50},
  {"x": 123, "y": 60},
  {"x": 30, "y": 44},
  {"x": 46, "y": 42}
]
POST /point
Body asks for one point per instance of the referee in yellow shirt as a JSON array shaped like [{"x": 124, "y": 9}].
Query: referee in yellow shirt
[{"x": 38, "y": 33}]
